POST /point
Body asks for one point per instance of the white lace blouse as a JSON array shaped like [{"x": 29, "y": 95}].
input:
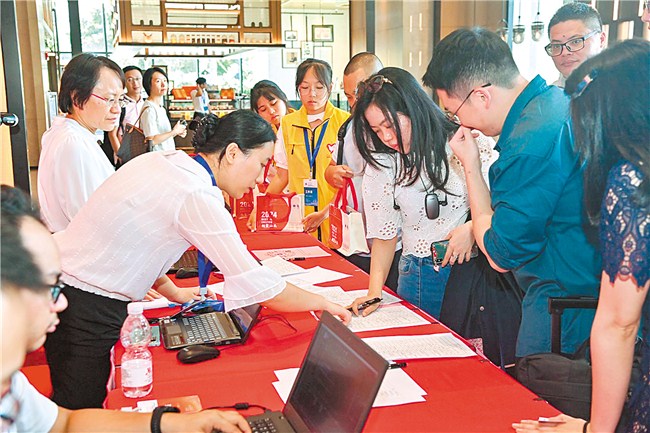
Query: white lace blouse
[{"x": 381, "y": 194}]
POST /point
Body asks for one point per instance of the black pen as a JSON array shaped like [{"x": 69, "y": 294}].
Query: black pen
[
  {"x": 295, "y": 259},
  {"x": 396, "y": 365},
  {"x": 366, "y": 304}
]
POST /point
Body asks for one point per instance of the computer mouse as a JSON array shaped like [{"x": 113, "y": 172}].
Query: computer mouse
[
  {"x": 187, "y": 273},
  {"x": 197, "y": 353}
]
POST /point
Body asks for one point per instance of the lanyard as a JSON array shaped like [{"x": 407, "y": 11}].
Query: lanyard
[
  {"x": 311, "y": 156},
  {"x": 205, "y": 266}
]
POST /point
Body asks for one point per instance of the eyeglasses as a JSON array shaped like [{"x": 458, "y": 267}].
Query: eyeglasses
[
  {"x": 121, "y": 102},
  {"x": 372, "y": 85},
  {"x": 308, "y": 90},
  {"x": 56, "y": 290},
  {"x": 453, "y": 117},
  {"x": 571, "y": 45}
]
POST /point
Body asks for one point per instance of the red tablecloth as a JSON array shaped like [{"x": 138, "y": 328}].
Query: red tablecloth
[{"x": 463, "y": 395}]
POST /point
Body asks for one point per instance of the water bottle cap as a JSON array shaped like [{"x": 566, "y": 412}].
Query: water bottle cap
[{"x": 134, "y": 308}]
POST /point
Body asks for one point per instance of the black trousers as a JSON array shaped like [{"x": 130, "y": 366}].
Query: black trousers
[
  {"x": 78, "y": 352},
  {"x": 363, "y": 263}
]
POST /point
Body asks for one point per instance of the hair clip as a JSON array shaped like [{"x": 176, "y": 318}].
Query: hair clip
[{"x": 580, "y": 88}]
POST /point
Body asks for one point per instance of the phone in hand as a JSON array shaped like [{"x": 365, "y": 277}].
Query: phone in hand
[{"x": 440, "y": 248}]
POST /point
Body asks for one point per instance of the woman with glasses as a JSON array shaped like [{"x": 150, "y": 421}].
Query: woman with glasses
[
  {"x": 154, "y": 120},
  {"x": 412, "y": 183},
  {"x": 72, "y": 164},
  {"x": 611, "y": 122},
  {"x": 302, "y": 152}
]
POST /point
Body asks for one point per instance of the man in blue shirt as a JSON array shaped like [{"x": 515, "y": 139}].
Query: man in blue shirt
[{"x": 532, "y": 222}]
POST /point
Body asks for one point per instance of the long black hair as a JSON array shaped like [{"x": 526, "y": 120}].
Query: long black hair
[
  {"x": 243, "y": 127},
  {"x": 430, "y": 128},
  {"x": 611, "y": 119}
]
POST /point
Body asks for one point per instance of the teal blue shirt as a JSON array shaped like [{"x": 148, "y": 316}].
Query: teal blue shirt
[{"x": 537, "y": 197}]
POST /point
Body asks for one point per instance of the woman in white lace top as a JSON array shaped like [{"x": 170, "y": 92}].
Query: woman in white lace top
[{"x": 402, "y": 135}]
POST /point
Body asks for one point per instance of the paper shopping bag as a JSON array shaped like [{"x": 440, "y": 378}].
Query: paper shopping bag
[
  {"x": 280, "y": 212},
  {"x": 244, "y": 206},
  {"x": 347, "y": 231}
]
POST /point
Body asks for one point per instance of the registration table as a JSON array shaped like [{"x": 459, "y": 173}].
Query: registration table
[{"x": 463, "y": 394}]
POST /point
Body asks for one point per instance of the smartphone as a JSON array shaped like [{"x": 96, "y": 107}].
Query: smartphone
[
  {"x": 441, "y": 249},
  {"x": 155, "y": 336}
]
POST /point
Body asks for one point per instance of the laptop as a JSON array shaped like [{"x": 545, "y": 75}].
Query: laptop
[
  {"x": 335, "y": 388},
  {"x": 189, "y": 260},
  {"x": 215, "y": 328}
]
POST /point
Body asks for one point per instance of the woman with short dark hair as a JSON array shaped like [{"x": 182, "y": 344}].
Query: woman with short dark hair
[
  {"x": 270, "y": 102},
  {"x": 72, "y": 165},
  {"x": 154, "y": 120}
]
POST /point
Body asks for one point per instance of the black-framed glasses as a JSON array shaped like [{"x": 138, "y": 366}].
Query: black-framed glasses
[
  {"x": 121, "y": 102},
  {"x": 571, "y": 45},
  {"x": 56, "y": 290},
  {"x": 453, "y": 117},
  {"x": 432, "y": 205},
  {"x": 371, "y": 85}
]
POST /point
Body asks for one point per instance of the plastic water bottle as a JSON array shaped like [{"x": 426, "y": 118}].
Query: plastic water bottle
[{"x": 137, "y": 368}]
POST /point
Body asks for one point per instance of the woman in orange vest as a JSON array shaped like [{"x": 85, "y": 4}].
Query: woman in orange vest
[{"x": 305, "y": 140}]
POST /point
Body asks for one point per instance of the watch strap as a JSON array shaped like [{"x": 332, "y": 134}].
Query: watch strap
[{"x": 157, "y": 415}]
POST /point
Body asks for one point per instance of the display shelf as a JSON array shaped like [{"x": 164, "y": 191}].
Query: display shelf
[{"x": 184, "y": 108}]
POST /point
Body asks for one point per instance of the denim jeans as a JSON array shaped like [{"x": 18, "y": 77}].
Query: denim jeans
[{"x": 420, "y": 284}]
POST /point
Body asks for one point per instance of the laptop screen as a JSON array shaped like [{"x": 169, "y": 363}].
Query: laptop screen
[
  {"x": 337, "y": 383},
  {"x": 245, "y": 317}
]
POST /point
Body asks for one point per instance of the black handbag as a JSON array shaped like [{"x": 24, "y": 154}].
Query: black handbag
[{"x": 134, "y": 143}]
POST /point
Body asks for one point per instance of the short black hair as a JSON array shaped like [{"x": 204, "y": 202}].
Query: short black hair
[
  {"x": 270, "y": 91},
  {"x": 80, "y": 77},
  {"x": 17, "y": 266},
  {"x": 243, "y": 127},
  {"x": 201, "y": 80},
  {"x": 322, "y": 70},
  {"x": 577, "y": 11},
  {"x": 469, "y": 57},
  {"x": 148, "y": 75},
  {"x": 131, "y": 68}
]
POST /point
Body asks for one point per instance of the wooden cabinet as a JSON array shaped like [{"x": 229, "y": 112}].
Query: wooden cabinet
[{"x": 200, "y": 22}]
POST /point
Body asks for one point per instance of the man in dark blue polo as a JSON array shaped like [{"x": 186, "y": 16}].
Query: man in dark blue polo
[{"x": 531, "y": 221}]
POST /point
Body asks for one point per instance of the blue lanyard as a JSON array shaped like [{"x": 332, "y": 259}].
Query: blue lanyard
[
  {"x": 205, "y": 266},
  {"x": 311, "y": 156}
]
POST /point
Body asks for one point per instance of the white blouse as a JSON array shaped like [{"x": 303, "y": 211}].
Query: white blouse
[
  {"x": 154, "y": 121},
  {"x": 71, "y": 167},
  {"x": 142, "y": 220},
  {"x": 381, "y": 193}
]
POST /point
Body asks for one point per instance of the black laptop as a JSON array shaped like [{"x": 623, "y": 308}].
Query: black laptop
[
  {"x": 335, "y": 388},
  {"x": 213, "y": 328}
]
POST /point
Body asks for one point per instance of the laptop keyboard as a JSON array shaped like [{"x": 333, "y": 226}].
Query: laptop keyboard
[
  {"x": 263, "y": 425},
  {"x": 204, "y": 328}
]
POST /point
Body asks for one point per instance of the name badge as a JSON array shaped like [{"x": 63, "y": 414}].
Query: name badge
[{"x": 311, "y": 192}]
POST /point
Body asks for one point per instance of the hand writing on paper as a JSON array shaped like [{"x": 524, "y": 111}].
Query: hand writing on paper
[
  {"x": 464, "y": 146},
  {"x": 560, "y": 423},
  {"x": 367, "y": 310},
  {"x": 461, "y": 241},
  {"x": 314, "y": 220}
]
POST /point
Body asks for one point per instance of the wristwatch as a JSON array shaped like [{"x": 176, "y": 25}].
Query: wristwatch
[{"x": 157, "y": 415}]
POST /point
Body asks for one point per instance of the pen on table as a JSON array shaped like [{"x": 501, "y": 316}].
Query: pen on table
[
  {"x": 295, "y": 259},
  {"x": 396, "y": 365},
  {"x": 366, "y": 304}
]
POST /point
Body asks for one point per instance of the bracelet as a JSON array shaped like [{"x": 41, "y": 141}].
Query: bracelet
[
  {"x": 584, "y": 427},
  {"x": 157, "y": 415}
]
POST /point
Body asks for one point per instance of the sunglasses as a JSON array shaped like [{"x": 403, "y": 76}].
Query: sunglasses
[{"x": 371, "y": 85}]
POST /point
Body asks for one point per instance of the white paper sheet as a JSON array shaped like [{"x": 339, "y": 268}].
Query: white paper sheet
[
  {"x": 420, "y": 346},
  {"x": 282, "y": 266},
  {"x": 387, "y": 317},
  {"x": 397, "y": 387},
  {"x": 290, "y": 253},
  {"x": 316, "y": 275},
  {"x": 386, "y": 298}
]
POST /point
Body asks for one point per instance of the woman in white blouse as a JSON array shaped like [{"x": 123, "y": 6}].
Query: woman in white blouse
[
  {"x": 155, "y": 122},
  {"x": 412, "y": 183},
  {"x": 138, "y": 224}
]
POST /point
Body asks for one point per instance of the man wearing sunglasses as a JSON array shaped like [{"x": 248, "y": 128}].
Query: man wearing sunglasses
[
  {"x": 530, "y": 219},
  {"x": 31, "y": 300},
  {"x": 576, "y": 34}
]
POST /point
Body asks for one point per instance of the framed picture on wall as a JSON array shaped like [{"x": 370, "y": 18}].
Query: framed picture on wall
[
  {"x": 291, "y": 57},
  {"x": 290, "y": 35},
  {"x": 307, "y": 50},
  {"x": 322, "y": 33}
]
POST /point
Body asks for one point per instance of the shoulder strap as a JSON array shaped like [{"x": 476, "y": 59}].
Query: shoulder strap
[
  {"x": 144, "y": 108},
  {"x": 341, "y": 138}
]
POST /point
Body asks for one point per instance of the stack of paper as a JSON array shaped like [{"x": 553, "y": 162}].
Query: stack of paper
[
  {"x": 397, "y": 387},
  {"x": 419, "y": 346}
]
